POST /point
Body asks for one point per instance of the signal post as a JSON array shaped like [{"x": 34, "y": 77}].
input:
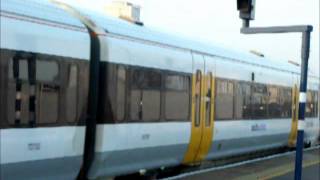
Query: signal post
[{"x": 247, "y": 13}]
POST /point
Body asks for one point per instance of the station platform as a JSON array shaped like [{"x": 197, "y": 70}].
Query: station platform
[{"x": 276, "y": 167}]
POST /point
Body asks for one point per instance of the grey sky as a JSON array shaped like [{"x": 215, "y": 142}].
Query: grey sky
[{"x": 217, "y": 21}]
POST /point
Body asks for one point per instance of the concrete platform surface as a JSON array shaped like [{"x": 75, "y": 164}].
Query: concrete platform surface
[{"x": 275, "y": 168}]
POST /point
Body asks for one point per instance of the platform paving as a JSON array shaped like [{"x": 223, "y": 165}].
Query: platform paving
[{"x": 278, "y": 168}]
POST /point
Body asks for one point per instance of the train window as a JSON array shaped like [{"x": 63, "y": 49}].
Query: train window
[
  {"x": 274, "y": 107},
  {"x": 198, "y": 89},
  {"x": 177, "y": 82},
  {"x": 48, "y": 106},
  {"x": 259, "y": 101},
  {"x": 48, "y": 85},
  {"x": 311, "y": 104},
  {"x": 112, "y": 91},
  {"x": 145, "y": 95},
  {"x": 3, "y": 78},
  {"x": 71, "y": 93},
  {"x": 135, "y": 105},
  {"x": 47, "y": 71},
  {"x": 316, "y": 103},
  {"x": 18, "y": 84},
  {"x": 4, "y": 60},
  {"x": 121, "y": 93},
  {"x": 146, "y": 79},
  {"x": 43, "y": 90},
  {"x": 243, "y": 100},
  {"x": 83, "y": 89},
  {"x": 285, "y": 102},
  {"x": 150, "y": 105},
  {"x": 224, "y": 99},
  {"x": 208, "y": 99},
  {"x": 21, "y": 67},
  {"x": 177, "y": 97}
]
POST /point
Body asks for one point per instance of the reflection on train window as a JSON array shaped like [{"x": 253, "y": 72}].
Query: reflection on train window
[
  {"x": 177, "y": 97},
  {"x": 274, "y": 107},
  {"x": 224, "y": 99},
  {"x": 208, "y": 99},
  {"x": 112, "y": 90},
  {"x": 71, "y": 93},
  {"x": 145, "y": 95},
  {"x": 48, "y": 85},
  {"x": 198, "y": 89},
  {"x": 47, "y": 71},
  {"x": 55, "y": 90},
  {"x": 285, "y": 102},
  {"x": 259, "y": 101},
  {"x": 22, "y": 71},
  {"x": 48, "y": 98},
  {"x": 316, "y": 103},
  {"x": 121, "y": 93},
  {"x": 177, "y": 82},
  {"x": 243, "y": 100},
  {"x": 21, "y": 68},
  {"x": 311, "y": 104}
]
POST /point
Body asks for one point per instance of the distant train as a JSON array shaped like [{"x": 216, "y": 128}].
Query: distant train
[{"x": 163, "y": 101}]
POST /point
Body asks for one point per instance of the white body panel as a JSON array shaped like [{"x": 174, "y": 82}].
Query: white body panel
[
  {"x": 37, "y": 37},
  {"x": 40, "y": 143}
]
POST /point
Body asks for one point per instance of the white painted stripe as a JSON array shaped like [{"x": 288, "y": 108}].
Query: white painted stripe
[
  {"x": 29, "y": 144},
  {"x": 302, "y": 97},
  {"x": 301, "y": 125}
]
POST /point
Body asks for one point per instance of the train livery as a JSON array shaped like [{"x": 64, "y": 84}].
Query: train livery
[{"x": 162, "y": 100}]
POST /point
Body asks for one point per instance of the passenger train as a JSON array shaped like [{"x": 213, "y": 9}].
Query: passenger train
[{"x": 85, "y": 92}]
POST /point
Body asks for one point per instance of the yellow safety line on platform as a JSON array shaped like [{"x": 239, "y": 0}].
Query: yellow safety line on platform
[{"x": 290, "y": 169}]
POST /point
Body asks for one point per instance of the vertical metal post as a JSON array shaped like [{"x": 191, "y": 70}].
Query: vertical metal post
[
  {"x": 245, "y": 23},
  {"x": 302, "y": 103}
]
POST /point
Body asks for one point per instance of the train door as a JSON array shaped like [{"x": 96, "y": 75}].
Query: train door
[{"x": 201, "y": 112}]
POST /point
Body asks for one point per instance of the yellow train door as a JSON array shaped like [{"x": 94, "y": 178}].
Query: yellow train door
[
  {"x": 294, "y": 123},
  {"x": 202, "y": 113}
]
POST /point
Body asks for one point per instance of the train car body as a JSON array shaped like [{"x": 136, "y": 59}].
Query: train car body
[{"x": 163, "y": 100}]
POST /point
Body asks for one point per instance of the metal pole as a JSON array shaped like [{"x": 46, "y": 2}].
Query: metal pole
[
  {"x": 245, "y": 23},
  {"x": 302, "y": 103}
]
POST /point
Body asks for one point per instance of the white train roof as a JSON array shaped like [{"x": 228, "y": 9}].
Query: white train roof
[{"x": 46, "y": 10}]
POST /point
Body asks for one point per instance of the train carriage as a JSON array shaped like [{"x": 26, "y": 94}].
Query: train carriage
[{"x": 163, "y": 100}]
